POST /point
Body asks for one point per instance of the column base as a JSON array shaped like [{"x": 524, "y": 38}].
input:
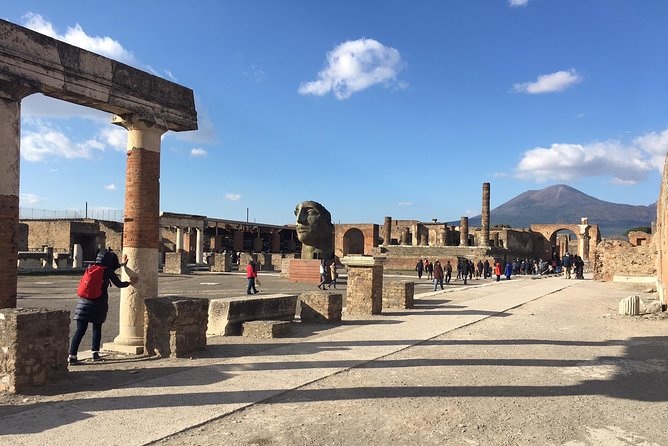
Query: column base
[{"x": 122, "y": 348}]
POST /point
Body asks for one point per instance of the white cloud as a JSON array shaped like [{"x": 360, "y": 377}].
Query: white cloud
[
  {"x": 198, "y": 152},
  {"x": 48, "y": 141},
  {"x": 111, "y": 186},
  {"x": 115, "y": 137},
  {"x": 405, "y": 203},
  {"x": 76, "y": 36},
  {"x": 625, "y": 163},
  {"x": 233, "y": 197},
  {"x": 549, "y": 83},
  {"x": 353, "y": 66},
  {"x": 29, "y": 199},
  {"x": 518, "y": 3},
  {"x": 40, "y": 106}
]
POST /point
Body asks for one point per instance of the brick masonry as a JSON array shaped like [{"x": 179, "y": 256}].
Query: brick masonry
[
  {"x": 620, "y": 258},
  {"x": 365, "y": 290},
  {"x": 33, "y": 348},
  {"x": 142, "y": 199},
  {"x": 321, "y": 306},
  {"x": 398, "y": 294},
  {"x": 303, "y": 270},
  {"x": 175, "y": 326},
  {"x": 9, "y": 219}
]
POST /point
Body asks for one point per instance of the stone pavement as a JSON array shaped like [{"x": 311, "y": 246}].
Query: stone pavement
[{"x": 210, "y": 388}]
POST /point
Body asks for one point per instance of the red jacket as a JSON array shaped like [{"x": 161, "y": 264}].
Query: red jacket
[{"x": 250, "y": 272}]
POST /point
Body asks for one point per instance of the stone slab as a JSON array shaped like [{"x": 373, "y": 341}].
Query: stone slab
[
  {"x": 227, "y": 315},
  {"x": 266, "y": 329},
  {"x": 321, "y": 306}
]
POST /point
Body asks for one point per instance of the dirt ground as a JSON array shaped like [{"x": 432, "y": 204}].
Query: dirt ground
[{"x": 562, "y": 370}]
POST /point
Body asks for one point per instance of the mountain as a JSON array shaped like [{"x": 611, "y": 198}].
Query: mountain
[{"x": 564, "y": 204}]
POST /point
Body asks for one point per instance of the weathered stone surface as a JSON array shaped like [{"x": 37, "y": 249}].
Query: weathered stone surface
[
  {"x": 175, "y": 326},
  {"x": 266, "y": 329},
  {"x": 222, "y": 262},
  {"x": 314, "y": 229},
  {"x": 227, "y": 315},
  {"x": 33, "y": 347},
  {"x": 653, "y": 307},
  {"x": 176, "y": 263},
  {"x": 365, "y": 285},
  {"x": 620, "y": 258},
  {"x": 630, "y": 306},
  {"x": 398, "y": 294},
  {"x": 321, "y": 306}
]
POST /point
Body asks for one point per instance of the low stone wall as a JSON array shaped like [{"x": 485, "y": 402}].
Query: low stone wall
[
  {"x": 244, "y": 258},
  {"x": 176, "y": 263},
  {"x": 227, "y": 315},
  {"x": 398, "y": 294},
  {"x": 175, "y": 326},
  {"x": 620, "y": 258},
  {"x": 266, "y": 329},
  {"x": 321, "y": 306},
  {"x": 33, "y": 347}
]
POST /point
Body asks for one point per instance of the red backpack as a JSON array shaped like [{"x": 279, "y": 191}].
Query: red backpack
[{"x": 90, "y": 286}]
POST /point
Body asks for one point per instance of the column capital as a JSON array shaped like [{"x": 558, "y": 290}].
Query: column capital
[{"x": 137, "y": 122}]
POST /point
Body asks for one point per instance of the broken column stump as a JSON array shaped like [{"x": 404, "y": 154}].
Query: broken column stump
[
  {"x": 175, "y": 326},
  {"x": 630, "y": 306},
  {"x": 365, "y": 285},
  {"x": 33, "y": 347},
  {"x": 398, "y": 294},
  {"x": 321, "y": 306}
]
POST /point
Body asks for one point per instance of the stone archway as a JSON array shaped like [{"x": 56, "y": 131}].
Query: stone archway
[
  {"x": 353, "y": 242},
  {"x": 145, "y": 105},
  {"x": 588, "y": 236}
]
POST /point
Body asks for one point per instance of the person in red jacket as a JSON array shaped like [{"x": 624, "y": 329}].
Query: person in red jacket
[
  {"x": 497, "y": 271},
  {"x": 251, "y": 275}
]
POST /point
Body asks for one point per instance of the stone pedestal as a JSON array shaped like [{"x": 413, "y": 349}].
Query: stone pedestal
[
  {"x": 398, "y": 294},
  {"x": 175, "y": 326},
  {"x": 33, "y": 348},
  {"x": 176, "y": 263},
  {"x": 365, "y": 285},
  {"x": 321, "y": 306},
  {"x": 222, "y": 262}
]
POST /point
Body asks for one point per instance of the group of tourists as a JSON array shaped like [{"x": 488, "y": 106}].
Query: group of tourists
[{"x": 328, "y": 274}]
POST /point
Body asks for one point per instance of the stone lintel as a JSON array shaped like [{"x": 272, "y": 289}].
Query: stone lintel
[
  {"x": 363, "y": 261},
  {"x": 45, "y": 65}
]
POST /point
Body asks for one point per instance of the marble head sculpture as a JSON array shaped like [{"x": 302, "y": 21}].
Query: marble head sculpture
[{"x": 315, "y": 230}]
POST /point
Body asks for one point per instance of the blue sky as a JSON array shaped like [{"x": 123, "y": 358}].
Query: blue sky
[{"x": 372, "y": 108}]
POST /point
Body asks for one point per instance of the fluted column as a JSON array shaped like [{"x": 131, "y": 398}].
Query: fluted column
[
  {"x": 199, "y": 249},
  {"x": 141, "y": 229},
  {"x": 387, "y": 231},
  {"x": 464, "y": 231},
  {"x": 485, "y": 215},
  {"x": 10, "y": 137}
]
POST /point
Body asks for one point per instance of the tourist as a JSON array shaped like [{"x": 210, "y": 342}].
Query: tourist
[
  {"x": 497, "y": 270},
  {"x": 419, "y": 268},
  {"x": 324, "y": 275},
  {"x": 448, "y": 273},
  {"x": 464, "y": 267},
  {"x": 567, "y": 263},
  {"x": 487, "y": 269},
  {"x": 579, "y": 267},
  {"x": 251, "y": 275},
  {"x": 94, "y": 310},
  {"x": 332, "y": 275},
  {"x": 470, "y": 269},
  {"x": 438, "y": 274},
  {"x": 509, "y": 270},
  {"x": 429, "y": 267},
  {"x": 480, "y": 269}
]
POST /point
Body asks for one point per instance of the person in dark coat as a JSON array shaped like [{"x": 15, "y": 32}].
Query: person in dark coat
[
  {"x": 464, "y": 268},
  {"x": 94, "y": 311},
  {"x": 438, "y": 274},
  {"x": 419, "y": 268}
]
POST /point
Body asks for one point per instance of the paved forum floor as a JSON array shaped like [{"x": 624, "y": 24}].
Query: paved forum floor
[{"x": 519, "y": 362}]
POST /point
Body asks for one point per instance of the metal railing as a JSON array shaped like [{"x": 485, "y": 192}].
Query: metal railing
[{"x": 49, "y": 214}]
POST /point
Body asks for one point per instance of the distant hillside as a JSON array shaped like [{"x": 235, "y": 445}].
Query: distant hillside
[{"x": 564, "y": 204}]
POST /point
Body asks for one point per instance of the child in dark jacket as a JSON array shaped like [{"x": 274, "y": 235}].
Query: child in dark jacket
[{"x": 95, "y": 310}]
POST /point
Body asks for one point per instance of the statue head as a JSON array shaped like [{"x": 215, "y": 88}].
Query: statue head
[{"x": 314, "y": 229}]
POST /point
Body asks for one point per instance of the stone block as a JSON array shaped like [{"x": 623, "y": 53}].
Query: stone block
[
  {"x": 365, "y": 285},
  {"x": 398, "y": 294},
  {"x": 33, "y": 347},
  {"x": 176, "y": 263},
  {"x": 266, "y": 329},
  {"x": 321, "y": 306},
  {"x": 222, "y": 262},
  {"x": 630, "y": 306},
  {"x": 175, "y": 326},
  {"x": 227, "y": 315}
]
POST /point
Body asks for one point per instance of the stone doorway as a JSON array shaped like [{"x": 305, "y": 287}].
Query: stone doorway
[{"x": 353, "y": 242}]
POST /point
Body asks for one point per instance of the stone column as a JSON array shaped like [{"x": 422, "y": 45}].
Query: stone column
[
  {"x": 404, "y": 236},
  {"x": 10, "y": 137},
  {"x": 77, "y": 256},
  {"x": 199, "y": 248},
  {"x": 141, "y": 229},
  {"x": 464, "y": 231},
  {"x": 485, "y": 215},
  {"x": 443, "y": 236},
  {"x": 387, "y": 231},
  {"x": 179, "y": 239},
  {"x": 365, "y": 285}
]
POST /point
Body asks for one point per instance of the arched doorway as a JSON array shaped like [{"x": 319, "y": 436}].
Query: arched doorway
[
  {"x": 353, "y": 242},
  {"x": 563, "y": 241}
]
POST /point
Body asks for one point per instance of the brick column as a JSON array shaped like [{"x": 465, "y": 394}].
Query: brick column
[
  {"x": 485, "y": 215},
  {"x": 10, "y": 137},
  {"x": 199, "y": 248},
  {"x": 365, "y": 285},
  {"x": 141, "y": 229},
  {"x": 464, "y": 231},
  {"x": 387, "y": 231}
]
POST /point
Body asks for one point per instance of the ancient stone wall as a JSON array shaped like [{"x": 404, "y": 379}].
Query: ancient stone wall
[
  {"x": 661, "y": 238},
  {"x": 54, "y": 233},
  {"x": 639, "y": 238},
  {"x": 620, "y": 258},
  {"x": 33, "y": 347},
  {"x": 521, "y": 243},
  {"x": 175, "y": 326},
  {"x": 113, "y": 234},
  {"x": 369, "y": 231},
  {"x": 22, "y": 238},
  {"x": 321, "y": 306},
  {"x": 365, "y": 290},
  {"x": 398, "y": 294}
]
